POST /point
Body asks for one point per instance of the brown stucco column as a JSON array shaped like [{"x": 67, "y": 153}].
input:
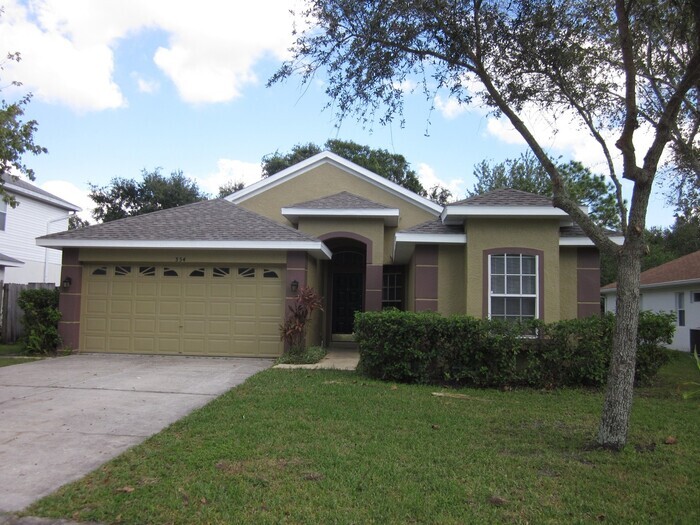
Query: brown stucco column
[
  {"x": 426, "y": 277},
  {"x": 588, "y": 282},
  {"x": 69, "y": 300},
  {"x": 373, "y": 287},
  {"x": 297, "y": 270}
]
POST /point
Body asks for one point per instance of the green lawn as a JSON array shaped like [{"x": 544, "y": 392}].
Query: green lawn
[
  {"x": 13, "y": 349},
  {"x": 299, "y": 446}
]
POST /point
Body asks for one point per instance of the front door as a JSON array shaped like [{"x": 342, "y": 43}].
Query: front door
[{"x": 347, "y": 299}]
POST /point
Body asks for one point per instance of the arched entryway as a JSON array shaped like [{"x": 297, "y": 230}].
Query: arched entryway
[{"x": 346, "y": 284}]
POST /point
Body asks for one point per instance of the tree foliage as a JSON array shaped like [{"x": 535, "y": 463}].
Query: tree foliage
[
  {"x": 230, "y": 187},
  {"x": 525, "y": 173},
  {"x": 391, "y": 166},
  {"x": 75, "y": 222},
  {"x": 16, "y": 136},
  {"x": 612, "y": 68},
  {"x": 127, "y": 197}
]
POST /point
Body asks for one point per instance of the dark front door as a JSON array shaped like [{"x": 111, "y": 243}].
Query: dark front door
[{"x": 347, "y": 299}]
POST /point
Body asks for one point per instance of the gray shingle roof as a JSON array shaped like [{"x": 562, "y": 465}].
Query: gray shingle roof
[
  {"x": 340, "y": 201},
  {"x": 505, "y": 197},
  {"x": 575, "y": 231},
  {"x": 213, "y": 220},
  {"x": 433, "y": 227},
  {"x": 24, "y": 185}
]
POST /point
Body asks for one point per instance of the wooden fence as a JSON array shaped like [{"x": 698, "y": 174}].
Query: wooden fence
[{"x": 10, "y": 312}]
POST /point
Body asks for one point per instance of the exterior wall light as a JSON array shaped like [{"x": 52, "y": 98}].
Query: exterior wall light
[
  {"x": 67, "y": 282},
  {"x": 295, "y": 285}
]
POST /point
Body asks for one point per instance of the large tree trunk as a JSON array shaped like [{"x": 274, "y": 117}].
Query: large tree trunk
[{"x": 617, "y": 408}]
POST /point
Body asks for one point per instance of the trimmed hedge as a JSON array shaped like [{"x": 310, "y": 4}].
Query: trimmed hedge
[
  {"x": 428, "y": 348},
  {"x": 40, "y": 320}
]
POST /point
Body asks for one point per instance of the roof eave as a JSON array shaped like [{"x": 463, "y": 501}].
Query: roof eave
[
  {"x": 59, "y": 203},
  {"x": 683, "y": 282},
  {"x": 405, "y": 243},
  {"x": 390, "y": 216},
  {"x": 585, "y": 241},
  {"x": 315, "y": 248},
  {"x": 457, "y": 214}
]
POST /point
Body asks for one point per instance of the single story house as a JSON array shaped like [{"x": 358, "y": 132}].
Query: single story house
[
  {"x": 213, "y": 278},
  {"x": 671, "y": 287}
]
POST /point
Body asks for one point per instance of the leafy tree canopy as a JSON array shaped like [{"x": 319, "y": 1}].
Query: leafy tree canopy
[
  {"x": 230, "y": 187},
  {"x": 75, "y": 222},
  {"x": 126, "y": 197},
  {"x": 612, "y": 68},
  {"x": 389, "y": 165},
  {"x": 526, "y": 173},
  {"x": 16, "y": 137}
]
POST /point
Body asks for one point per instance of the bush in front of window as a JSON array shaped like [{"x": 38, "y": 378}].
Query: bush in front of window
[
  {"x": 40, "y": 320},
  {"x": 464, "y": 351}
]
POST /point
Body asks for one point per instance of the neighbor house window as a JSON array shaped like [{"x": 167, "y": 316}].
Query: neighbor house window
[
  {"x": 3, "y": 214},
  {"x": 695, "y": 297},
  {"x": 514, "y": 287},
  {"x": 680, "y": 308}
]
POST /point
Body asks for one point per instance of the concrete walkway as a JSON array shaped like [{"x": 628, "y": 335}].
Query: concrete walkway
[
  {"x": 62, "y": 418},
  {"x": 335, "y": 359}
]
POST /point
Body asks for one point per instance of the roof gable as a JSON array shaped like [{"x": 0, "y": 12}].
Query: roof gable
[
  {"x": 345, "y": 165},
  {"x": 22, "y": 187}
]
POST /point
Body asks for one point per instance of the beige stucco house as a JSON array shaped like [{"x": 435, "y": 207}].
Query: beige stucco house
[{"x": 213, "y": 278}]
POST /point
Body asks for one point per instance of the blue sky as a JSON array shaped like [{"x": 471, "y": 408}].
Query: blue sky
[{"x": 122, "y": 85}]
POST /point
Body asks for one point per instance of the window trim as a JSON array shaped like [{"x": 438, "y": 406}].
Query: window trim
[
  {"x": 3, "y": 215},
  {"x": 680, "y": 308},
  {"x": 486, "y": 278}
]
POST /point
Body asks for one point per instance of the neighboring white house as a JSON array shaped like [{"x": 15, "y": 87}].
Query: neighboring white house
[
  {"x": 38, "y": 213},
  {"x": 671, "y": 287}
]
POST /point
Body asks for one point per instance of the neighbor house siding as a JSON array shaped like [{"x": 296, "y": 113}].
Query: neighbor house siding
[
  {"x": 513, "y": 234},
  {"x": 29, "y": 220}
]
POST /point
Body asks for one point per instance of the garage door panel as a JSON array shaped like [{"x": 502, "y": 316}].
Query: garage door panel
[
  {"x": 117, "y": 307},
  {"x": 208, "y": 310}
]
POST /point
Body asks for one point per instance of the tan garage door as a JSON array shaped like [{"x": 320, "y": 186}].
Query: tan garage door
[{"x": 190, "y": 310}]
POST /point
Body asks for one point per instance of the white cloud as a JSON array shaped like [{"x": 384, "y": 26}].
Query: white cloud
[
  {"x": 211, "y": 50},
  {"x": 428, "y": 178},
  {"x": 145, "y": 86},
  {"x": 450, "y": 108},
  {"x": 230, "y": 170},
  {"x": 71, "y": 193}
]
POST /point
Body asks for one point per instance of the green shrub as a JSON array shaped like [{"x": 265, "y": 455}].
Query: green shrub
[
  {"x": 428, "y": 348},
  {"x": 305, "y": 356},
  {"x": 40, "y": 320}
]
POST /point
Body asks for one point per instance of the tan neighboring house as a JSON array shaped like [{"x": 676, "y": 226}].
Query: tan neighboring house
[
  {"x": 213, "y": 278},
  {"x": 670, "y": 287}
]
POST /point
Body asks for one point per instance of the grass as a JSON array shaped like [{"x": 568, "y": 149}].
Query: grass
[
  {"x": 307, "y": 356},
  {"x": 9, "y": 361},
  {"x": 300, "y": 446},
  {"x": 13, "y": 349}
]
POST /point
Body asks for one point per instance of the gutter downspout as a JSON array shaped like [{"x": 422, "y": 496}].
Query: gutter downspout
[{"x": 46, "y": 250}]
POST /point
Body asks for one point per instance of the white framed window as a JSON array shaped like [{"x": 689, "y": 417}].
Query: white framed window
[
  {"x": 680, "y": 308},
  {"x": 3, "y": 214},
  {"x": 514, "y": 287},
  {"x": 695, "y": 296}
]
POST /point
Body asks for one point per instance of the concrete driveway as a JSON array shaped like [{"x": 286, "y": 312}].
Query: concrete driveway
[{"x": 61, "y": 418}]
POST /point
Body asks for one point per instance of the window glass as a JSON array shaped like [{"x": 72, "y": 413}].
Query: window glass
[
  {"x": 246, "y": 272},
  {"x": 122, "y": 270},
  {"x": 147, "y": 271},
  {"x": 680, "y": 308},
  {"x": 3, "y": 214},
  {"x": 514, "y": 285},
  {"x": 695, "y": 297},
  {"x": 270, "y": 274},
  {"x": 221, "y": 271},
  {"x": 101, "y": 270},
  {"x": 392, "y": 289},
  {"x": 197, "y": 272},
  {"x": 169, "y": 272}
]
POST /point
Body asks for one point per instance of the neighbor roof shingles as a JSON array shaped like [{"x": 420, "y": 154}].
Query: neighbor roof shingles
[
  {"x": 686, "y": 268},
  {"x": 505, "y": 197},
  {"x": 212, "y": 220},
  {"x": 340, "y": 201},
  {"x": 24, "y": 185}
]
